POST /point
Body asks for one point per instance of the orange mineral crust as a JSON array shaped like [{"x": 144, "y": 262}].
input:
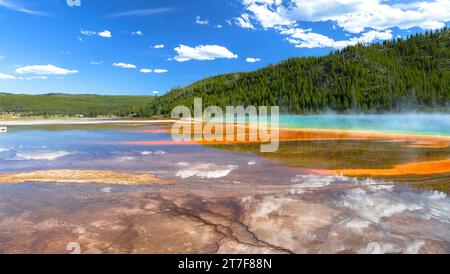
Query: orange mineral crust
[
  {"x": 427, "y": 141},
  {"x": 249, "y": 135},
  {"x": 80, "y": 177},
  {"x": 420, "y": 168}
]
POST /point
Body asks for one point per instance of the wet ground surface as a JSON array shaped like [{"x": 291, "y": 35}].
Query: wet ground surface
[
  {"x": 209, "y": 200},
  {"x": 343, "y": 217}
]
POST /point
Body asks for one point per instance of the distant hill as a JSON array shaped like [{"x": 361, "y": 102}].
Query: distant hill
[
  {"x": 57, "y": 104},
  {"x": 399, "y": 75}
]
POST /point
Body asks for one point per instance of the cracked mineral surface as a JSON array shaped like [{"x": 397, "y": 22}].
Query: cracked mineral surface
[{"x": 70, "y": 187}]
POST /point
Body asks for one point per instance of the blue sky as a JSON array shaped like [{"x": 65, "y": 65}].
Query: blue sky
[{"x": 143, "y": 47}]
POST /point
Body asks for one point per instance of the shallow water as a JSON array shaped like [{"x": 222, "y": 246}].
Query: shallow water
[
  {"x": 430, "y": 124},
  {"x": 224, "y": 199}
]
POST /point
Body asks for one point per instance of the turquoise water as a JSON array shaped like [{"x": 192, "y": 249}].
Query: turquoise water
[{"x": 428, "y": 124}]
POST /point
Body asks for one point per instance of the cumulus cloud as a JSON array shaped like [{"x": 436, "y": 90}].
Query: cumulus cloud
[
  {"x": 354, "y": 16},
  {"x": 302, "y": 38},
  {"x": 244, "y": 21},
  {"x": 160, "y": 70},
  {"x": 4, "y": 76},
  {"x": 124, "y": 65},
  {"x": 268, "y": 13},
  {"x": 202, "y": 53},
  {"x": 371, "y": 19},
  {"x": 45, "y": 70},
  {"x": 159, "y": 46},
  {"x": 96, "y": 62},
  {"x": 252, "y": 60},
  {"x": 104, "y": 34},
  {"x": 146, "y": 70}
]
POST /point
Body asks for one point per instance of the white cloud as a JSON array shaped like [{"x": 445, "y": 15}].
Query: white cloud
[
  {"x": 137, "y": 33},
  {"x": 140, "y": 13},
  {"x": 96, "y": 62},
  {"x": 88, "y": 32},
  {"x": 269, "y": 17},
  {"x": 244, "y": 21},
  {"x": 302, "y": 38},
  {"x": 202, "y": 53},
  {"x": 36, "y": 78},
  {"x": 14, "y": 6},
  {"x": 372, "y": 19},
  {"x": 354, "y": 16},
  {"x": 4, "y": 76},
  {"x": 155, "y": 92},
  {"x": 124, "y": 65},
  {"x": 104, "y": 34},
  {"x": 200, "y": 21},
  {"x": 160, "y": 71},
  {"x": 160, "y": 46},
  {"x": 45, "y": 70},
  {"x": 252, "y": 60}
]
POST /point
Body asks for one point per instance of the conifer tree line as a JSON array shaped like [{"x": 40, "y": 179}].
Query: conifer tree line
[
  {"x": 410, "y": 74},
  {"x": 400, "y": 75}
]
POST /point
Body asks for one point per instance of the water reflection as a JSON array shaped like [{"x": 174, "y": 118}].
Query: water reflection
[{"x": 217, "y": 198}]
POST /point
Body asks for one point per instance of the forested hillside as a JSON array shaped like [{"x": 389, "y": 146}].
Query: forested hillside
[
  {"x": 399, "y": 75},
  {"x": 73, "y": 105}
]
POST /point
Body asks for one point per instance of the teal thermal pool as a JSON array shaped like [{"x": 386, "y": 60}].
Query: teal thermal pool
[
  {"x": 426, "y": 124},
  {"x": 262, "y": 203}
]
